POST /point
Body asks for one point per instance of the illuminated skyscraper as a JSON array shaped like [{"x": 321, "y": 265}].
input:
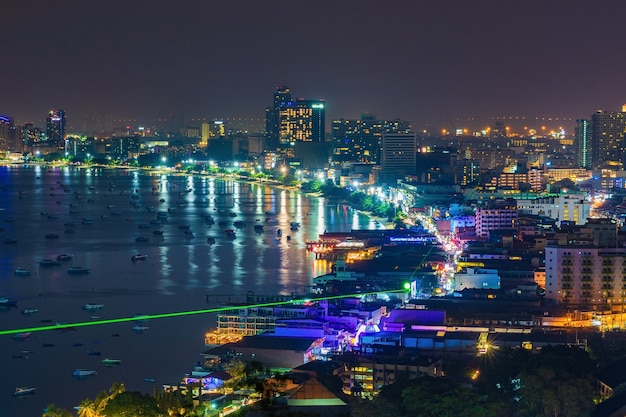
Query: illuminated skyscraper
[
  {"x": 361, "y": 140},
  {"x": 55, "y": 129},
  {"x": 289, "y": 120},
  {"x": 302, "y": 121},
  {"x": 8, "y": 136},
  {"x": 582, "y": 135},
  {"x": 607, "y": 138},
  {"x": 272, "y": 116}
]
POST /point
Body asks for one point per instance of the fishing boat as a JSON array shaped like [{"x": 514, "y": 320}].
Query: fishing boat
[
  {"x": 21, "y": 336},
  {"x": 7, "y": 302},
  {"x": 49, "y": 262},
  {"x": 83, "y": 372},
  {"x": 21, "y": 272},
  {"x": 139, "y": 257},
  {"x": 19, "y": 391},
  {"x": 92, "y": 307},
  {"x": 77, "y": 270},
  {"x": 138, "y": 328},
  {"x": 109, "y": 361}
]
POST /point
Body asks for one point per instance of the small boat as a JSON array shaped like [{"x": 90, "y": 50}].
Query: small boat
[
  {"x": 139, "y": 257},
  {"x": 83, "y": 372},
  {"x": 21, "y": 336},
  {"x": 77, "y": 344},
  {"x": 47, "y": 345},
  {"x": 94, "y": 353},
  {"x": 92, "y": 307},
  {"x": 77, "y": 270},
  {"x": 109, "y": 361},
  {"x": 64, "y": 257},
  {"x": 19, "y": 391},
  {"x": 149, "y": 379},
  {"x": 7, "y": 302},
  {"x": 9, "y": 241},
  {"x": 51, "y": 236},
  {"x": 138, "y": 328},
  {"x": 49, "y": 262},
  {"x": 87, "y": 220},
  {"x": 21, "y": 272},
  {"x": 141, "y": 239},
  {"x": 29, "y": 311}
]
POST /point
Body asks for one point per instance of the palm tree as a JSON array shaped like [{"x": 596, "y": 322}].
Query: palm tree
[
  {"x": 53, "y": 411},
  {"x": 87, "y": 408}
]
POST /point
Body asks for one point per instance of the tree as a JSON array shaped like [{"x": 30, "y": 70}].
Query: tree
[
  {"x": 441, "y": 397},
  {"x": 87, "y": 408},
  {"x": 131, "y": 404},
  {"x": 53, "y": 411}
]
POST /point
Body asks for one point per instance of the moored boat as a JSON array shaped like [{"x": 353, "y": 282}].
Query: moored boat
[
  {"x": 49, "y": 262},
  {"x": 139, "y": 257},
  {"x": 19, "y": 391},
  {"x": 77, "y": 270},
  {"x": 92, "y": 307},
  {"x": 83, "y": 372},
  {"x": 7, "y": 302},
  {"x": 21, "y": 272},
  {"x": 138, "y": 328}
]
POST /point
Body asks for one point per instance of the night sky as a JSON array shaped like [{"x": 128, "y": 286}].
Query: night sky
[{"x": 437, "y": 63}]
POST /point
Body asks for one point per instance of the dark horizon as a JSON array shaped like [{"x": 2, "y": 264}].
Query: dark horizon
[{"x": 439, "y": 65}]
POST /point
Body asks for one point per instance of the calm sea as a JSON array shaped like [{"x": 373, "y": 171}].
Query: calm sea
[{"x": 180, "y": 270}]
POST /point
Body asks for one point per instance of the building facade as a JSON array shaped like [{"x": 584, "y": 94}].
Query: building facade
[
  {"x": 585, "y": 276},
  {"x": 564, "y": 207},
  {"x": 399, "y": 153},
  {"x": 488, "y": 219},
  {"x": 55, "y": 129}
]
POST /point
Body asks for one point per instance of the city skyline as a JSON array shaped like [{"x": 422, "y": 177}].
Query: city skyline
[{"x": 441, "y": 65}]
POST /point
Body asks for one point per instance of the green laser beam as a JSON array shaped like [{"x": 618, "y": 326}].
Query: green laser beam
[{"x": 61, "y": 326}]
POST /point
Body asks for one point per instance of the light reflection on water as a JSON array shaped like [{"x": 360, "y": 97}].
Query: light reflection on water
[{"x": 177, "y": 275}]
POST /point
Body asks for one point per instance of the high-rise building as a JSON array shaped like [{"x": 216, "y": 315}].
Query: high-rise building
[
  {"x": 361, "y": 140},
  {"x": 607, "y": 138},
  {"x": 55, "y": 129},
  {"x": 585, "y": 276},
  {"x": 302, "y": 121},
  {"x": 399, "y": 153},
  {"x": 288, "y": 121},
  {"x": 8, "y": 136},
  {"x": 282, "y": 96},
  {"x": 582, "y": 139}
]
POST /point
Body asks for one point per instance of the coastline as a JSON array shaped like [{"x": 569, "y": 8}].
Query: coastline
[{"x": 270, "y": 183}]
